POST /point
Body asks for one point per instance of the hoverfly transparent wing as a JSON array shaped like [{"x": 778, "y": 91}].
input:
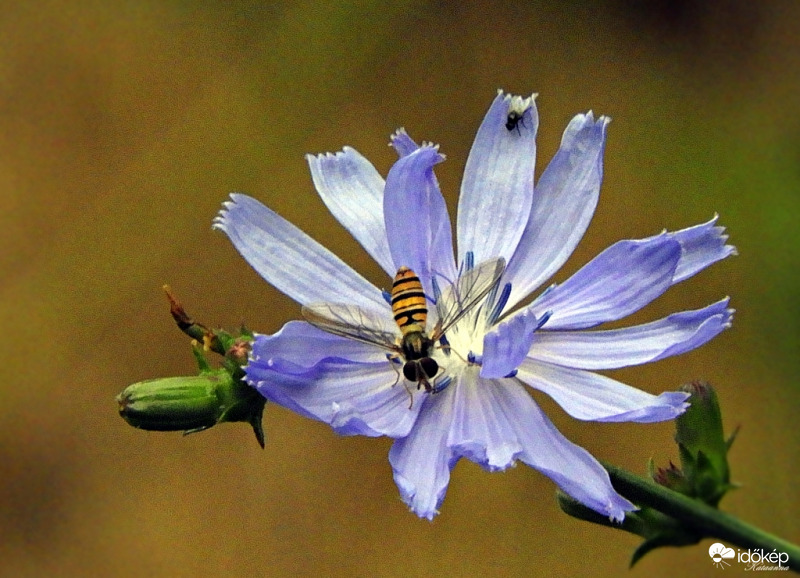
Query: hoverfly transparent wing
[
  {"x": 352, "y": 322},
  {"x": 468, "y": 291}
]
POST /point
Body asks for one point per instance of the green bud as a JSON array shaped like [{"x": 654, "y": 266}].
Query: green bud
[
  {"x": 192, "y": 404},
  {"x": 702, "y": 445}
]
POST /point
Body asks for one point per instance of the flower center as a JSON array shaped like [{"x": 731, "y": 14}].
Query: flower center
[{"x": 462, "y": 346}]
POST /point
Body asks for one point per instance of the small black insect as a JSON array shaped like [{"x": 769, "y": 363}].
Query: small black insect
[{"x": 514, "y": 119}]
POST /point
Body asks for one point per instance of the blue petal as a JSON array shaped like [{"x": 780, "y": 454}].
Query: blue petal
[
  {"x": 353, "y": 398},
  {"x": 299, "y": 346},
  {"x": 571, "y": 467},
  {"x": 702, "y": 245},
  {"x": 479, "y": 430},
  {"x": 508, "y": 344},
  {"x": 611, "y": 349},
  {"x": 402, "y": 143},
  {"x": 497, "y": 189},
  {"x": 493, "y": 423},
  {"x": 291, "y": 260},
  {"x": 563, "y": 204},
  {"x": 590, "y": 396},
  {"x": 417, "y": 223},
  {"x": 422, "y": 461},
  {"x": 352, "y": 190},
  {"x": 619, "y": 281}
]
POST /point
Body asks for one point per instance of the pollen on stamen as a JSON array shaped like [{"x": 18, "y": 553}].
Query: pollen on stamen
[
  {"x": 543, "y": 319},
  {"x": 437, "y": 292},
  {"x": 499, "y": 305},
  {"x": 517, "y": 103},
  {"x": 468, "y": 264},
  {"x": 442, "y": 385}
]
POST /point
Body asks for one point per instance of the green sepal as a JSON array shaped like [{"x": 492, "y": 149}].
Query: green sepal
[
  {"x": 731, "y": 438},
  {"x": 667, "y": 536},
  {"x": 200, "y": 358},
  {"x": 671, "y": 477}
]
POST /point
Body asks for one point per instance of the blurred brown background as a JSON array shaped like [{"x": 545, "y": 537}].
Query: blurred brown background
[{"x": 125, "y": 125}]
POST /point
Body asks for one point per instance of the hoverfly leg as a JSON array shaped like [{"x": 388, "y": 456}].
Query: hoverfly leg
[
  {"x": 451, "y": 350},
  {"x": 396, "y": 358},
  {"x": 424, "y": 382},
  {"x": 392, "y": 357}
]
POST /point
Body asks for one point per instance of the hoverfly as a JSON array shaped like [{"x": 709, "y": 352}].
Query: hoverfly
[{"x": 410, "y": 312}]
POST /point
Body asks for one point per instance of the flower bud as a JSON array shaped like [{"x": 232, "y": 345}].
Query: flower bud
[
  {"x": 191, "y": 404},
  {"x": 703, "y": 448}
]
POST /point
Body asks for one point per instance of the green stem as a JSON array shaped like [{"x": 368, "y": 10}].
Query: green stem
[{"x": 701, "y": 517}]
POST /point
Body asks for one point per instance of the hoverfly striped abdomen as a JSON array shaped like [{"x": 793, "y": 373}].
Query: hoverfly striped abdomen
[
  {"x": 408, "y": 302},
  {"x": 411, "y": 315}
]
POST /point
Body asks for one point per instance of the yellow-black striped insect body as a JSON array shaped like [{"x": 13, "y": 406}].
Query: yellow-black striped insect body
[{"x": 411, "y": 314}]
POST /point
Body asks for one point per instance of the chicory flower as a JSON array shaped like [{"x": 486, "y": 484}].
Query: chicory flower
[{"x": 477, "y": 406}]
